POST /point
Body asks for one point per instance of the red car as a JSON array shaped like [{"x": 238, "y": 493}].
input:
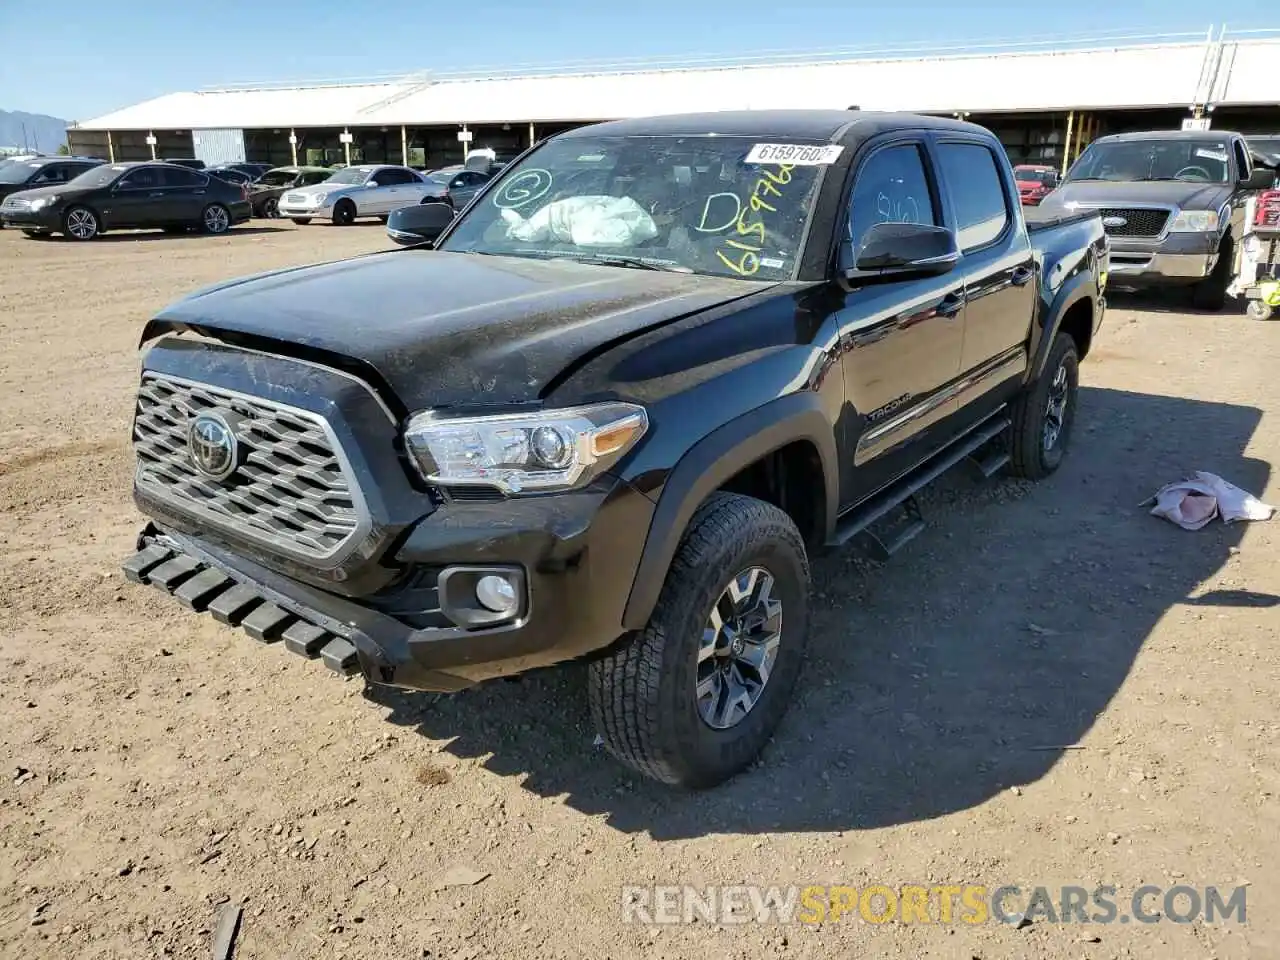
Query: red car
[{"x": 1034, "y": 182}]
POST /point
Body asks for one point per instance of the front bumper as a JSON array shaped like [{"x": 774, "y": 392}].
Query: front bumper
[
  {"x": 1178, "y": 258},
  {"x": 295, "y": 210},
  {"x": 45, "y": 219},
  {"x": 577, "y": 556}
]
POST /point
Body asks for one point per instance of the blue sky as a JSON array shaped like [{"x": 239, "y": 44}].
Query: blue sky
[{"x": 81, "y": 59}]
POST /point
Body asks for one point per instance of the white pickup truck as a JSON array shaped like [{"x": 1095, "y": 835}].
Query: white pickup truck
[{"x": 367, "y": 190}]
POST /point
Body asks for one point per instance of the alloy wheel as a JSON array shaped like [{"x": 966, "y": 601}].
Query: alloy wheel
[
  {"x": 216, "y": 220},
  {"x": 739, "y": 648},
  {"x": 82, "y": 224},
  {"x": 1055, "y": 411}
]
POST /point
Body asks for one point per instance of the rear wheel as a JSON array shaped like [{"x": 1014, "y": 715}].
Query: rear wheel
[
  {"x": 694, "y": 697},
  {"x": 1211, "y": 292},
  {"x": 215, "y": 219},
  {"x": 80, "y": 223},
  {"x": 301, "y": 221},
  {"x": 344, "y": 213},
  {"x": 1045, "y": 413}
]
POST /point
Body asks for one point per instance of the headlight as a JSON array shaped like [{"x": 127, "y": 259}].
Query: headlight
[
  {"x": 1195, "y": 221},
  {"x": 549, "y": 450},
  {"x": 41, "y": 202}
]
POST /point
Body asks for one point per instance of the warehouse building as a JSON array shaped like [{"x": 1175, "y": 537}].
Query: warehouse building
[{"x": 1045, "y": 99}]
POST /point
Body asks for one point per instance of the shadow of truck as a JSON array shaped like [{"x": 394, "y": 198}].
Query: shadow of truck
[{"x": 961, "y": 668}]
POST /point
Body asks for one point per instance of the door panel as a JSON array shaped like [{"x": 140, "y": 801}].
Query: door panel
[
  {"x": 901, "y": 340},
  {"x": 137, "y": 200},
  {"x": 998, "y": 267}
]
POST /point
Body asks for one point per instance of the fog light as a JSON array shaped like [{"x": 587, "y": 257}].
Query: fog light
[{"x": 497, "y": 594}]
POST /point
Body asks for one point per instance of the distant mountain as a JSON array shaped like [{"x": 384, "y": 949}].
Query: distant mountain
[{"x": 44, "y": 134}]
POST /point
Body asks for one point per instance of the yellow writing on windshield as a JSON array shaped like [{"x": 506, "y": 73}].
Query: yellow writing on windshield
[{"x": 744, "y": 258}]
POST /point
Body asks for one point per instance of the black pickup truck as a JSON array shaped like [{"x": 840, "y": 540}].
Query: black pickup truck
[{"x": 611, "y": 411}]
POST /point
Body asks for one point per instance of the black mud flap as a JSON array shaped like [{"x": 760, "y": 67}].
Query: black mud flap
[{"x": 200, "y": 587}]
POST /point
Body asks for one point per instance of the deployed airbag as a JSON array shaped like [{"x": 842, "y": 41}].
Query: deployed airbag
[{"x": 590, "y": 221}]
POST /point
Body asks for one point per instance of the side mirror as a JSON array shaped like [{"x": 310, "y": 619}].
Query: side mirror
[
  {"x": 370, "y": 184},
  {"x": 1260, "y": 179},
  {"x": 899, "y": 251},
  {"x": 419, "y": 223}
]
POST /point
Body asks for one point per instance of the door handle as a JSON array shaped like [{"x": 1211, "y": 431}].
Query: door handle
[
  {"x": 158, "y": 193},
  {"x": 1022, "y": 276},
  {"x": 950, "y": 305}
]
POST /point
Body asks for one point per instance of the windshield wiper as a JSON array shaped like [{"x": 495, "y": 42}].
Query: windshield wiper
[{"x": 636, "y": 263}]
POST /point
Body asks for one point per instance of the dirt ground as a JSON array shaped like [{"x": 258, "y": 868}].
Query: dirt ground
[{"x": 1047, "y": 687}]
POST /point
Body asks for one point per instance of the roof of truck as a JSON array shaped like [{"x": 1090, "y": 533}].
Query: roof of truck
[{"x": 800, "y": 124}]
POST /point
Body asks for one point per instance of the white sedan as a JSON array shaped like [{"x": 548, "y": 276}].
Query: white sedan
[{"x": 368, "y": 190}]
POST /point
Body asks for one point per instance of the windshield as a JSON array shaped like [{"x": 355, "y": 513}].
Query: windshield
[
  {"x": 1196, "y": 161},
  {"x": 18, "y": 172},
  {"x": 351, "y": 175},
  {"x": 1033, "y": 176},
  {"x": 683, "y": 203},
  {"x": 441, "y": 176},
  {"x": 98, "y": 176}
]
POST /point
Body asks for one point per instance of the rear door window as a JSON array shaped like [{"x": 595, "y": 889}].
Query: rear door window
[{"x": 977, "y": 193}]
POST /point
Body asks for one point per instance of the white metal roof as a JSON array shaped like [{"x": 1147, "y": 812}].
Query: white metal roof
[{"x": 1168, "y": 74}]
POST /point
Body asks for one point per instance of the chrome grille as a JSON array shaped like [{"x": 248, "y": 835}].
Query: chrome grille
[
  {"x": 295, "y": 198},
  {"x": 16, "y": 203},
  {"x": 1139, "y": 221},
  {"x": 290, "y": 490}
]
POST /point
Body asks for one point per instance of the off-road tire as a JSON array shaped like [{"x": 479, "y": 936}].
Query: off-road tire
[
  {"x": 642, "y": 694},
  {"x": 1211, "y": 292},
  {"x": 1029, "y": 458}
]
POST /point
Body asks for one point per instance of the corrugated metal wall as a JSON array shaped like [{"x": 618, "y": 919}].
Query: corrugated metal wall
[{"x": 219, "y": 146}]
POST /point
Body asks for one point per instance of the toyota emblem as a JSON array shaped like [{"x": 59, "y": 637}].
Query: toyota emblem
[{"x": 212, "y": 445}]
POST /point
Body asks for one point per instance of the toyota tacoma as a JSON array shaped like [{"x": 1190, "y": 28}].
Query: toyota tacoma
[{"x": 610, "y": 411}]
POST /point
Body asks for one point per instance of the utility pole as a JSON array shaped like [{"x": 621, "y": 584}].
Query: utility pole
[{"x": 24, "y": 138}]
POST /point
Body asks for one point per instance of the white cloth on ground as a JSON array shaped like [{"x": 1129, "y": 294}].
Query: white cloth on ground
[{"x": 1193, "y": 502}]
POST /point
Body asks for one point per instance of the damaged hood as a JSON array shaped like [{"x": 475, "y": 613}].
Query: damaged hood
[{"x": 447, "y": 329}]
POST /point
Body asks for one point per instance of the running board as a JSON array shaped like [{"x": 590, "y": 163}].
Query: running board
[{"x": 902, "y": 493}]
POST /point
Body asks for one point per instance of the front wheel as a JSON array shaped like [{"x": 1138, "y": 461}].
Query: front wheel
[
  {"x": 1045, "y": 413},
  {"x": 215, "y": 219},
  {"x": 344, "y": 213},
  {"x": 80, "y": 223},
  {"x": 1211, "y": 292},
  {"x": 271, "y": 209},
  {"x": 301, "y": 221},
  {"x": 693, "y": 697}
]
